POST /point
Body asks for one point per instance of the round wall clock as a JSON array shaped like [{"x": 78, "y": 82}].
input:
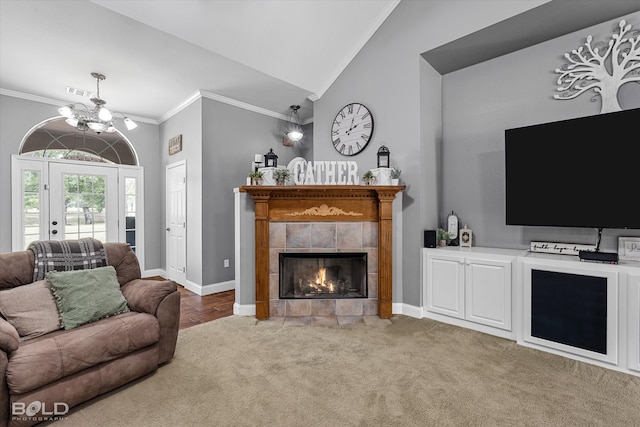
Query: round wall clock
[{"x": 352, "y": 129}]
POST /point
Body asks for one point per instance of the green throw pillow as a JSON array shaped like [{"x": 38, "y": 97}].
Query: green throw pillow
[{"x": 84, "y": 296}]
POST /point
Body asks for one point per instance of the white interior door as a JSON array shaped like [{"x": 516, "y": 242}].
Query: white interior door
[
  {"x": 83, "y": 202},
  {"x": 176, "y": 255}
]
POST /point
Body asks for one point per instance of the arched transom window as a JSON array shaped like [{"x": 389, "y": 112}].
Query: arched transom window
[{"x": 54, "y": 138}]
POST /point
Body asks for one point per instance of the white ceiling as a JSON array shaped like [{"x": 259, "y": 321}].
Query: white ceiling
[{"x": 158, "y": 54}]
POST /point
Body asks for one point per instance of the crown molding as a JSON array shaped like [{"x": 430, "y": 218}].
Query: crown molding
[
  {"x": 31, "y": 97},
  {"x": 175, "y": 110},
  {"x": 243, "y": 105},
  {"x": 166, "y": 116},
  {"x": 225, "y": 100},
  {"x": 59, "y": 103}
]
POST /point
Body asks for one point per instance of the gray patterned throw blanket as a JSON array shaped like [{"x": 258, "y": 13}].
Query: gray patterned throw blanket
[{"x": 66, "y": 255}]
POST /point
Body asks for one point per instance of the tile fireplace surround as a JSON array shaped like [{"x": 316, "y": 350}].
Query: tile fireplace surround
[
  {"x": 335, "y": 218},
  {"x": 327, "y": 237}
]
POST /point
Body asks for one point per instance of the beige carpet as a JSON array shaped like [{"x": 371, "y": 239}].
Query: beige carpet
[{"x": 237, "y": 371}]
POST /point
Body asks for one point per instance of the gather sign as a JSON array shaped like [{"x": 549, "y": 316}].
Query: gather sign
[{"x": 326, "y": 172}]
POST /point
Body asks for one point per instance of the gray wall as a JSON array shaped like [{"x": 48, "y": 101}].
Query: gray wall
[
  {"x": 18, "y": 116},
  {"x": 231, "y": 137},
  {"x": 480, "y": 102},
  {"x": 219, "y": 143},
  {"x": 187, "y": 123},
  {"x": 404, "y": 95}
]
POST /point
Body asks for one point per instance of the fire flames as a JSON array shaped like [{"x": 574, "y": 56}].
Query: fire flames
[{"x": 320, "y": 282}]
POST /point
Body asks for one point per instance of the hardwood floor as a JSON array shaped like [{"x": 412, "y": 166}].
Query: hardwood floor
[{"x": 196, "y": 309}]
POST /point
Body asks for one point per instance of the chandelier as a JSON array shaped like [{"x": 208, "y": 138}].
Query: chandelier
[{"x": 97, "y": 118}]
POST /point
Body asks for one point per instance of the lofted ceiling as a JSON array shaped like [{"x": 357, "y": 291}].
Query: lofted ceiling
[
  {"x": 158, "y": 54},
  {"x": 269, "y": 54}
]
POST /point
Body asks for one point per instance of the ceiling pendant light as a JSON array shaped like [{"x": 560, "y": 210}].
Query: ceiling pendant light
[
  {"x": 98, "y": 118},
  {"x": 294, "y": 131}
]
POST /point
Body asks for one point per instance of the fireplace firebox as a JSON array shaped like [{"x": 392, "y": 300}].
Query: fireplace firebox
[{"x": 323, "y": 275}]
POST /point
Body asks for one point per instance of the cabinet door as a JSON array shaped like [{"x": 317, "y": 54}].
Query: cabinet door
[
  {"x": 445, "y": 285},
  {"x": 488, "y": 292},
  {"x": 634, "y": 322}
]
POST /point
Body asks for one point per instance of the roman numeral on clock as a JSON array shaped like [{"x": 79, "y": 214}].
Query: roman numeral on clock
[
  {"x": 365, "y": 137},
  {"x": 341, "y": 149},
  {"x": 336, "y": 142}
]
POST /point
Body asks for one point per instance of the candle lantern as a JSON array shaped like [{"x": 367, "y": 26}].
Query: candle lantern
[
  {"x": 271, "y": 159},
  {"x": 383, "y": 157}
]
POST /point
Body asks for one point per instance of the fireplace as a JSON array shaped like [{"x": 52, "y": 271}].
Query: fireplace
[
  {"x": 323, "y": 275},
  {"x": 279, "y": 210}
]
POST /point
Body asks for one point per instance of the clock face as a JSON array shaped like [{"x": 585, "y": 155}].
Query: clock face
[{"x": 352, "y": 129}]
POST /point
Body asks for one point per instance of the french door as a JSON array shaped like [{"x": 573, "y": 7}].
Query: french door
[
  {"x": 83, "y": 202},
  {"x": 58, "y": 200}
]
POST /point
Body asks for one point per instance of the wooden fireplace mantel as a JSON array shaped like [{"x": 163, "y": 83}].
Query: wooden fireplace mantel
[{"x": 335, "y": 203}]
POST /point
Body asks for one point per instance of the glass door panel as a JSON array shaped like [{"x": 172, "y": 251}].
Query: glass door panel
[
  {"x": 83, "y": 202},
  {"x": 32, "y": 210}
]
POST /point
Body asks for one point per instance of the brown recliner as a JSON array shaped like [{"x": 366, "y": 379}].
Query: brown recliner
[{"x": 67, "y": 367}]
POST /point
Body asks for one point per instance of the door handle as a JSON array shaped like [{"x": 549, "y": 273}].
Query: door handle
[
  {"x": 54, "y": 223},
  {"x": 54, "y": 231},
  {"x": 168, "y": 229}
]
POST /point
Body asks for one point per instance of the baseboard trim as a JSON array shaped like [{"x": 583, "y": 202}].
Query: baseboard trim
[
  {"x": 407, "y": 310},
  {"x": 510, "y": 335},
  {"x": 212, "y": 288},
  {"x": 154, "y": 272},
  {"x": 244, "y": 309}
]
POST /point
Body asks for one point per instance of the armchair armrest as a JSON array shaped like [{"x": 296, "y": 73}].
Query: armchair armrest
[
  {"x": 145, "y": 295},
  {"x": 9, "y": 338}
]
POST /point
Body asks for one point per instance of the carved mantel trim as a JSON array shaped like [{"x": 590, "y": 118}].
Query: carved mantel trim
[{"x": 305, "y": 203}]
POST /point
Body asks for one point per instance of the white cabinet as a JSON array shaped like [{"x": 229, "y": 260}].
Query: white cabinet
[
  {"x": 488, "y": 292},
  {"x": 444, "y": 275},
  {"x": 473, "y": 285},
  {"x": 634, "y": 321}
]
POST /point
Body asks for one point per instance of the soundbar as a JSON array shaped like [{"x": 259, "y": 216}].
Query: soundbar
[{"x": 605, "y": 257}]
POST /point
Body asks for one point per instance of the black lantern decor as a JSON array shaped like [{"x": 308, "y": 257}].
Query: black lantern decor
[
  {"x": 383, "y": 157},
  {"x": 271, "y": 159}
]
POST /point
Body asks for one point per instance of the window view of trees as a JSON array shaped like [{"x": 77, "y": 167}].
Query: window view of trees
[
  {"x": 31, "y": 194},
  {"x": 69, "y": 155},
  {"x": 84, "y": 201}
]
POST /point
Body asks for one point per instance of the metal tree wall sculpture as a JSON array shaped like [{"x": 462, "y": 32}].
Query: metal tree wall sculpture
[{"x": 602, "y": 67}]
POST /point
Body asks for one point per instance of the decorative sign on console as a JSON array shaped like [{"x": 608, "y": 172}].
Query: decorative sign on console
[{"x": 560, "y": 248}]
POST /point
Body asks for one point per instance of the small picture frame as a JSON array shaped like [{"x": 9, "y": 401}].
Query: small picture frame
[
  {"x": 629, "y": 248},
  {"x": 175, "y": 145},
  {"x": 466, "y": 237}
]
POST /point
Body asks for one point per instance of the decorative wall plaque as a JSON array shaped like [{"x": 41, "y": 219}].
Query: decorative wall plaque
[
  {"x": 602, "y": 67},
  {"x": 175, "y": 144}
]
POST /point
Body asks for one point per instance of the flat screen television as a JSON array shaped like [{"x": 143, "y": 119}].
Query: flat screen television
[{"x": 582, "y": 172}]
